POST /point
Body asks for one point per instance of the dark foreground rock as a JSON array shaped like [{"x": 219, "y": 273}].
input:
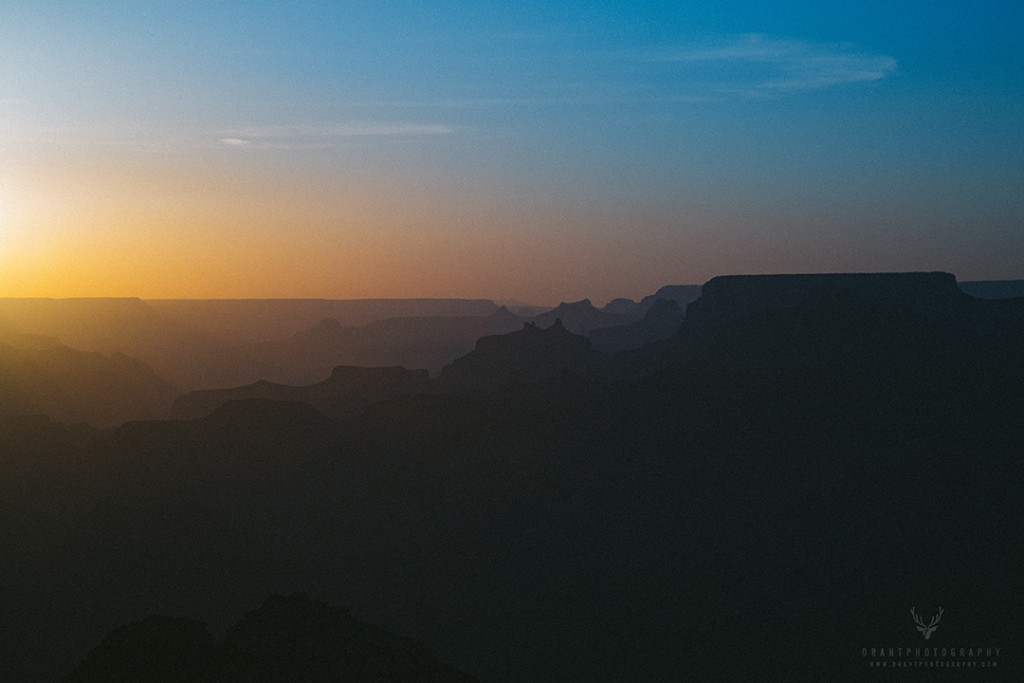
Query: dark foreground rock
[{"x": 288, "y": 639}]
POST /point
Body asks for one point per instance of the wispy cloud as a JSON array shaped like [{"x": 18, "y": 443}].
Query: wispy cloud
[
  {"x": 751, "y": 65},
  {"x": 323, "y": 134},
  {"x": 777, "y": 65}
]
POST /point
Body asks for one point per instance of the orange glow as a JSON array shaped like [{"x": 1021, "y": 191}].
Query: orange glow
[{"x": 163, "y": 227}]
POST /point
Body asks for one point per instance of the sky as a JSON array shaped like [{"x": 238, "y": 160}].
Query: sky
[{"x": 539, "y": 151}]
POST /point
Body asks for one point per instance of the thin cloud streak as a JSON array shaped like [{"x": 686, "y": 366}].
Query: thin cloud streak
[
  {"x": 339, "y": 130},
  {"x": 751, "y": 65},
  {"x": 597, "y": 97},
  {"x": 793, "y": 65},
  {"x": 323, "y": 135}
]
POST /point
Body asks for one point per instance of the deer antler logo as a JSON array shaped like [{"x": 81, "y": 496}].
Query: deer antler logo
[{"x": 928, "y": 629}]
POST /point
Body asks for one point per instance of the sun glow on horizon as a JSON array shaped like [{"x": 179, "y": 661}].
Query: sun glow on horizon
[
  {"x": 8, "y": 227},
  {"x": 497, "y": 155}
]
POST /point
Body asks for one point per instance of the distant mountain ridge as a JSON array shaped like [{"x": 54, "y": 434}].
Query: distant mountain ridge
[
  {"x": 632, "y": 311},
  {"x": 201, "y": 343},
  {"x": 579, "y": 317},
  {"x": 159, "y": 333},
  {"x": 532, "y": 354},
  {"x": 730, "y": 296},
  {"x": 345, "y": 393},
  {"x": 243, "y": 320},
  {"x": 876, "y": 307},
  {"x": 414, "y": 342},
  {"x": 683, "y": 295},
  {"x": 739, "y": 501},
  {"x": 661, "y": 321},
  {"x": 40, "y": 375}
]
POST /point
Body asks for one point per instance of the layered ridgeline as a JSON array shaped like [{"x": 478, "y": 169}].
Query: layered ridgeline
[
  {"x": 345, "y": 393},
  {"x": 106, "y": 361},
  {"x": 206, "y": 344},
  {"x": 39, "y": 375},
  {"x": 421, "y": 342},
  {"x": 905, "y": 322},
  {"x": 764, "y": 495}
]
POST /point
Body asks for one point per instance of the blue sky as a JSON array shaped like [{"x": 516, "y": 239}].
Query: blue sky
[{"x": 535, "y": 150}]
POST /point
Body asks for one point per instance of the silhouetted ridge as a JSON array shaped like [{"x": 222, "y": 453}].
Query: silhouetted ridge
[
  {"x": 731, "y": 296},
  {"x": 504, "y": 314},
  {"x": 792, "y": 321},
  {"x": 528, "y": 355},
  {"x": 413, "y": 342},
  {"x": 834, "y": 332},
  {"x": 288, "y": 639},
  {"x": 42, "y": 376},
  {"x": 266, "y": 319},
  {"x": 579, "y": 317},
  {"x": 683, "y": 295},
  {"x": 759, "y": 498},
  {"x": 347, "y": 391},
  {"x": 661, "y": 321},
  {"x": 12, "y": 337},
  {"x": 627, "y": 308},
  {"x": 296, "y": 639},
  {"x": 202, "y": 344},
  {"x": 267, "y": 413},
  {"x": 157, "y": 649},
  {"x": 113, "y": 325}
]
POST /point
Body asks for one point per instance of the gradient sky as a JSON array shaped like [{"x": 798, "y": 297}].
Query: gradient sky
[{"x": 541, "y": 151}]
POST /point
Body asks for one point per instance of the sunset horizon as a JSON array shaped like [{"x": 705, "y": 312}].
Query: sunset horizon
[
  {"x": 635, "y": 294},
  {"x": 538, "y": 153},
  {"x": 660, "y": 340}
]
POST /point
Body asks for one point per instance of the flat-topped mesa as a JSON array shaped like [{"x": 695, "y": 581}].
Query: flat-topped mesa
[{"x": 730, "y": 296}]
